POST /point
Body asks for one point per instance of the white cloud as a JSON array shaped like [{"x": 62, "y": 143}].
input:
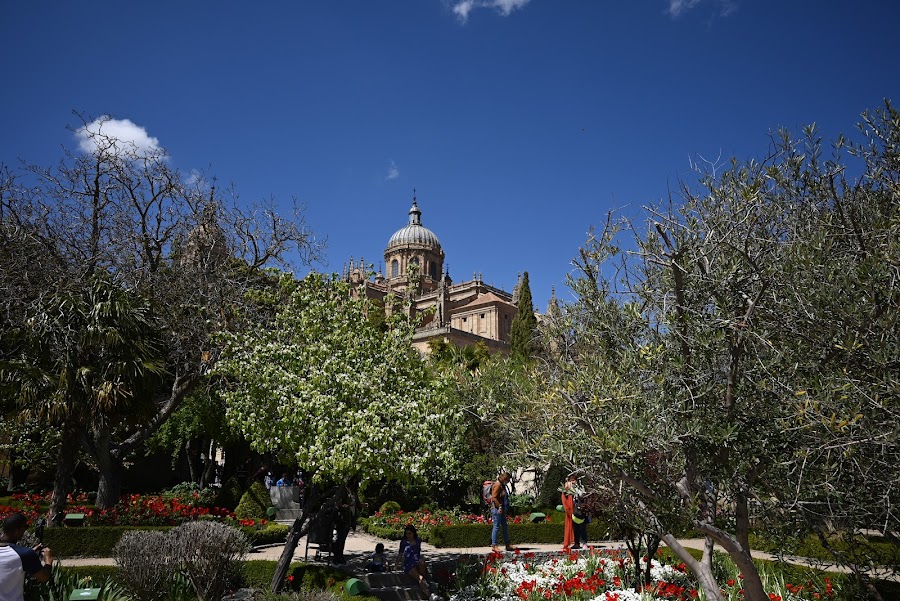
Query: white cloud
[
  {"x": 120, "y": 133},
  {"x": 392, "y": 172},
  {"x": 679, "y": 7},
  {"x": 462, "y": 8}
]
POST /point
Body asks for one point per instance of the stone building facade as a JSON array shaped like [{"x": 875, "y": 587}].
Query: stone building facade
[{"x": 414, "y": 272}]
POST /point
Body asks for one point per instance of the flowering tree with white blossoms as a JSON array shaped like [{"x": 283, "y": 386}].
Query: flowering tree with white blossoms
[{"x": 327, "y": 382}]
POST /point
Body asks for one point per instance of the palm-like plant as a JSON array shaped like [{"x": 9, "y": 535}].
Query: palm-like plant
[{"x": 91, "y": 360}]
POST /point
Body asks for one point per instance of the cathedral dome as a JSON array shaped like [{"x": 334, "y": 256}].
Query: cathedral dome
[{"x": 415, "y": 232}]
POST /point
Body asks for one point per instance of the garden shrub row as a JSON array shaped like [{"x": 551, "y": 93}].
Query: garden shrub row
[
  {"x": 99, "y": 541},
  {"x": 255, "y": 574},
  {"x": 94, "y": 541},
  {"x": 258, "y": 574},
  {"x": 874, "y": 548},
  {"x": 479, "y": 535}
]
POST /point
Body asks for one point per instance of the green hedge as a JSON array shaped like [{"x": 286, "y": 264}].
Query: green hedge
[
  {"x": 99, "y": 541},
  {"x": 479, "y": 535},
  {"x": 872, "y": 549},
  {"x": 258, "y": 574},
  {"x": 96, "y": 541},
  {"x": 254, "y": 574},
  {"x": 97, "y": 574},
  {"x": 271, "y": 534}
]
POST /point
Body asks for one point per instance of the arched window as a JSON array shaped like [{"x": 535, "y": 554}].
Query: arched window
[
  {"x": 432, "y": 270},
  {"x": 414, "y": 261},
  {"x": 395, "y": 268}
]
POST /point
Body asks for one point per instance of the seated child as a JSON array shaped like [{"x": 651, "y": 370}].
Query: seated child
[{"x": 378, "y": 562}]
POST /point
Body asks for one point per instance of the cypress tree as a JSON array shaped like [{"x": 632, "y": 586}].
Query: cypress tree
[{"x": 523, "y": 329}]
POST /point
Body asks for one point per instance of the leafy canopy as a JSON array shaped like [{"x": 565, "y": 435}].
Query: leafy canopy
[{"x": 330, "y": 386}]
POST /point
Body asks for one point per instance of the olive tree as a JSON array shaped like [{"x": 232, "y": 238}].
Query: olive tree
[{"x": 709, "y": 366}]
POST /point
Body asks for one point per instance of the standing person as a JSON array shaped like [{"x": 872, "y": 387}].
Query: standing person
[
  {"x": 17, "y": 562},
  {"x": 568, "y": 503},
  {"x": 410, "y": 557},
  {"x": 499, "y": 509},
  {"x": 580, "y": 519}
]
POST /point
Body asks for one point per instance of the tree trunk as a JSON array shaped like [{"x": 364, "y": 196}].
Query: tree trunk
[
  {"x": 701, "y": 570},
  {"x": 109, "y": 488},
  {"x": 191, "y": 454},
  {"x": 742, "y": 518},
  {"x": 62, "y": 482},
  {"x": 209, "y": 467},
  {"x": 109, "y": 469},
  {"x": 17, "y": 473},
  {"x": 296, "y": 532},
  {"x": 652, "y": 546},
  {"x": 753, "y": 587},
  {"x": 634, "y": 540},
  {"x": 708, "y": 548}
]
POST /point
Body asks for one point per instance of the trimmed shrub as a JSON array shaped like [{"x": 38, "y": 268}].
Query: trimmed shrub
[
  {"x": 97, "y": 541},
  {"x": 549, "y": 495},
  {"x": 258, "y": 574},
  {"x": 230, "y": 494},
  {"x": 479, "y": 535},
  {"x": 389, "y": 507},
  {"x": 270, "y": 534},
  {"x": 147, "y": 562},
  {"x": 208, "y": 553},
  {"x": 254, "y": 503},
  {"x": 200, "y": 555}
]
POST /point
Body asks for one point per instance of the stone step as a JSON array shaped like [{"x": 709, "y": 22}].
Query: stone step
[
  {"x": 399, "y": 593},
  {"x": 287, "y": 514},
  {"x": 386, "y": 579}
]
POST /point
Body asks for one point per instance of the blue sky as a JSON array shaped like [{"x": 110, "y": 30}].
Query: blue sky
[{"x": 519, "y": 122}]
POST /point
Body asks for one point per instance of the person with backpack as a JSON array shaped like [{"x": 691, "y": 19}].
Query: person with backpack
[{"x": 499, "y": 509}]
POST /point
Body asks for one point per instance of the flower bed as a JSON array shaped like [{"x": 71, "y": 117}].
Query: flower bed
[
  {"x": 390, "y": 525},
  {"x": 132, "y": 510},
  {"x": 603, "y": 575},
  {"x": 102, "y": 529}
]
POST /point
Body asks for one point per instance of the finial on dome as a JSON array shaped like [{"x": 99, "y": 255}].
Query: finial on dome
[{"x": 415, "y": 215}]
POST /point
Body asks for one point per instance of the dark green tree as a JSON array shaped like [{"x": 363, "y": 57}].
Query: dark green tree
[
  {"x": 92, "y": 360},
  {"x": 183, "y": 244},
  {"x": 523, "y": 330}
]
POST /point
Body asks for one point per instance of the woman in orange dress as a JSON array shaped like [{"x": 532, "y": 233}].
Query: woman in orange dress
[{"x": 568, "y": 503}]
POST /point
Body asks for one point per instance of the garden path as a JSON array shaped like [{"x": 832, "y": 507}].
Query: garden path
[{"x": 360, "y": 545}]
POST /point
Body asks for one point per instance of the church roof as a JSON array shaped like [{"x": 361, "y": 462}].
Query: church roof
[
  {"x": 415, "y": 232},
  {"x": 486, "y": 299}
]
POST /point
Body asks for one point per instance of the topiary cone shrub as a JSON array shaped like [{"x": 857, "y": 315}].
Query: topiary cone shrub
[
  {"x": 549, "y": 495},
  {"x": 254, "y": 503},
  {"x": 389, "y": 507},
  {"x": 230, "y": 494}
]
